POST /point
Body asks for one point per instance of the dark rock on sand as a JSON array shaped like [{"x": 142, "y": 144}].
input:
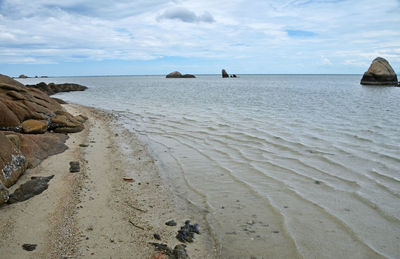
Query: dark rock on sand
[
  {"x": 179, "y": 251},
  {"x": 380, "y": 72},
  {"x": 29, "y": 247},
  {"x": 53, "y": 88},
  {"x": 170, "y": 223},
  {"x": 157, "y": 236},
  {"x": 29, "y": 189},
  {"x": 177, "y": 74},
  {"x": 224, "y": 74},
  {"x": 74, "y": 167},
  {"x": 187, "y": 231}
]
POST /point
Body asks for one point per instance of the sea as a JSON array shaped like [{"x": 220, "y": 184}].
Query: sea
[{"x": 280, "y": 166}]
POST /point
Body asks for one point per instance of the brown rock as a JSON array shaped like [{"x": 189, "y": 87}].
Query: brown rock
[
  {"x": 52, "y": 88},
  {"x": 175, "y": 74},
  {"x": 380, "y": 73},
  {"x": 12, "y": 161},
  {"x": 64, "y": 122},
  {"x": 15, "y": 140},
  {"x": 34, "y": 126},
  {"x": 81, "y": 118}
]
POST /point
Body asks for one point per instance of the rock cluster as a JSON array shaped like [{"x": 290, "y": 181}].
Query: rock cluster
[
  {"x": 226, "y": 75},
  {"x": 177, "y": 74},
  {"x": 52, "y": 88},
  {"x": 380, "y": 72},
  {"x": 27, "y": 118}
]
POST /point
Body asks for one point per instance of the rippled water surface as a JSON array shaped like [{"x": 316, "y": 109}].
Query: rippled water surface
[{"x": 282, "y": 166}]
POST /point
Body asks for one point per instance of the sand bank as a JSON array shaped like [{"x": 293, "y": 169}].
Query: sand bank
[{"x": 96, "y": 213}]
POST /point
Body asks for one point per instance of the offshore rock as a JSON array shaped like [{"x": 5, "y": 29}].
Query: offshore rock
[
  {"x": 380, "y": 72},
  {"x": 177, "y": 74},
  {"x": 53, "y": 88},
  {"x": 224, "y": 74},
  {"x": 29, "y": 189},
  {"x": 12, "y": 162}
]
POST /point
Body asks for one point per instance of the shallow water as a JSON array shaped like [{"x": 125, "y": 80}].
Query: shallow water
[{"x": 282, "y": 166}]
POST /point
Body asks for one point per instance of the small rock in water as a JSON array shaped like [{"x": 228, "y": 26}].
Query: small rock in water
[
  {"x": 317, "y": 182},
  {"x": 157, "y": 236},
  {"x": 187, "y": 231},
  {"x": 170, "y": 223},
  {"x": 29, "y": 247},
  {"x": 74, "y": 166}
]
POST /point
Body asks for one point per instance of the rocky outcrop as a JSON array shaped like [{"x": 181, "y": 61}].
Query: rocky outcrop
[
  {"x": 26, "y": 116},
  {"x": 380, "y": 72},
  {"x": 52, "y": 88},
  {"x": 224, "y": 74},
  {"x": 22, "y": 76},
  {"x": 12, "y": 161},
  {"x": 177, "y": 74}
]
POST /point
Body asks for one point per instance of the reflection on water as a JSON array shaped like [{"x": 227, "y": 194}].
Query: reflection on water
[{"x": 283, "y": 166}]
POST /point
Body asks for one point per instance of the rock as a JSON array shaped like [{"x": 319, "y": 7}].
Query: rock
[
  {"x": 74, "y": 167},
  {"x": 233, "y": 76},
  {"x": 64, "y": 122},
  {"x": 15, "y": 140},
  {"x": 3, "y": 194},
  {"x": 380, "y": 72},
  {"x": 177, "y": 74},
  {"x": 22, "y": 76},
  {"x": 12, "y": 162},
  {"x": 170, "y": 223},
  {"x": 29, "y": 247},
  {"x": 157, "y": 236},
  {"x": 224, "y": 74},
  {"x": 30, "y": 189},
  {"x": 81, "y": 118},
  {"x": 187, "y": 231},
  {"x": 180, "y": 252},
  {"x": 34, "y": 126},
  {"x": 19, "y": 103},
  {"x": 60, "y": 101},
  {"x": 53, "y": 88}
]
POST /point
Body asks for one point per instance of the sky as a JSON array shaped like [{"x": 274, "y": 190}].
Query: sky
[{"x": 142, "y": 37}]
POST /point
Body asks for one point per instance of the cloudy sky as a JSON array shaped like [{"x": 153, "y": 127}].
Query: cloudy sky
[{"x": 128, "y": 37}]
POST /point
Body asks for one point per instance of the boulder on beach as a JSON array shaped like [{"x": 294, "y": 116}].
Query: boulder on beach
[
  {"x": 380, "y": 72},
  {"x": 12, "y": 161},
  {"x": 177, "y": 74},
  {"x": 19, "y": 104},
  {"x": 34, "y": 126},
  {"x": 53, "y": 88},
  {"x": 224, "y": 74}
]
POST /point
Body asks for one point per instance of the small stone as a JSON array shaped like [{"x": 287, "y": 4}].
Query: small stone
[
  {"x": 83, "y": 145},
  {"x": 250, "y": 222},
  {"x": 170, "y": 223},
  {"x": 275, "y": 231},
  {"x": 157, "y": 236},
  {"x": 74, "y": 167},
  {"x": 317, "y": 182},
  {"x": 29, "y": 247}
]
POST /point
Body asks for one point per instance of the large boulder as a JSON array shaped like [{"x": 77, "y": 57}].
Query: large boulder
[
  {"x": 177, "y": 74},
  {"x": 12, "y": 161},
  {"x": 34, "y": 126},
  {"x": 64, "y": 122},
  {"x": 224, "y": 73},
  {"x": 19, "y": 104},
  {"x": 52, "y": 88},
  {"x": 380, "y": 72}
]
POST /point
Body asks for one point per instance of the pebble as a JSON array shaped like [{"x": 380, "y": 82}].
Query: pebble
[
  {"x": 29, "y": 247},
  {"x": 74, "y": 167},
  {"x": 171, "y": 223},
  {"x": 157, "y": 236}
]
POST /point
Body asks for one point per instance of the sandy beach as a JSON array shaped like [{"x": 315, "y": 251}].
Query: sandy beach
[{"x": 95, "y": 212}]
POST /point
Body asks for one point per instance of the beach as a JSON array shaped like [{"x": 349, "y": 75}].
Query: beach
[{"x": 95, "y": 212}]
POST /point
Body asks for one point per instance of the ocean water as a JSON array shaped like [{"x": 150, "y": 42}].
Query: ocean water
[{"x": 280, "y": 166}]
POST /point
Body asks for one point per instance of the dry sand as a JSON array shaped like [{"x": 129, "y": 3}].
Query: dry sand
[{"x": 95, "y": 213}]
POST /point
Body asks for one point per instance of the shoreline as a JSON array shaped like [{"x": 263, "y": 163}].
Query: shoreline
[{"x": 95, "y": 212}]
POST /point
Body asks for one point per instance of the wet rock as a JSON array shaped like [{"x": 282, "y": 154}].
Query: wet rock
[
  {"x": 74, "y": 167},
  {"x": 30, "y": 189},
  {"x": 224, "y": 73},
  {"x": 171, "y": 223},
  {"x": 52, "y": 88},
  {"x": 29, "y": 247},
  {"x": 34, "y": 126},
  {"x": 187, "y": 231},
  {"x": 380, "y": 72}
]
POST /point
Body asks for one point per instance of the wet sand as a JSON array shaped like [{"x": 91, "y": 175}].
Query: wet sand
[{"x": 95, "y": 212}]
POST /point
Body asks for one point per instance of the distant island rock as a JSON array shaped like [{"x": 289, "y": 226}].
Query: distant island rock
[
  {"x": 380, "y": 72},
  {"x": 52, "y": 88},
  {"x": 224, "y": 74},
  {"x": 23, "y": 76},
  {"x": 177, "y": 74}
]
